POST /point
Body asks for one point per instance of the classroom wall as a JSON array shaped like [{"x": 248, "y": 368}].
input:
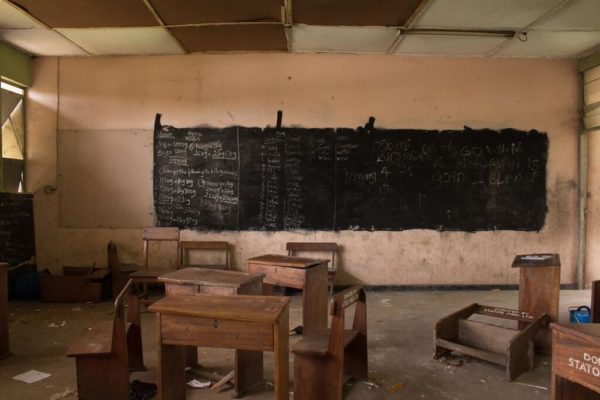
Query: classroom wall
[{"x": 90, "y": 133}]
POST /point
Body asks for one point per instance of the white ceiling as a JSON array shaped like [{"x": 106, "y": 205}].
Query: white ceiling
[{"x": 554, "y": 28}]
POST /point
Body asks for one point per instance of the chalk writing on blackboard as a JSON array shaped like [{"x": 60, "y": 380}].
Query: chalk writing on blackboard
[{"x": 282, "y": 178}]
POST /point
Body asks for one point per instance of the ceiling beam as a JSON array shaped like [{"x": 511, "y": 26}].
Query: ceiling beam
[
  {"x": 419, "y": 11},
  {"x": 590, "y": 61},
  {"x": 160, "y": 21},
  {"x": 524, "y": 29}
]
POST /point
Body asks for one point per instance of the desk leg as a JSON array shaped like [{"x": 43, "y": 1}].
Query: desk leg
[
  {"x": 171, "y": 368},
  {"x": 248, "y": 371},
  {"x": 281, "y": 355},
  {"x": 134, "y": 335},
  {"x": 314, "y": 299}
]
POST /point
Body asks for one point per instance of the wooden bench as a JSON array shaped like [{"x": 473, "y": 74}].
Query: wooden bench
[
  {"x": 185, "y": 247},
  {"x": 322, "y": 359},
  {"x": 293, "y": 248},
  {"x": 512, "y": 348},
  {"x": 106, "y": 353},
  {"x": 120, "y": 272}
]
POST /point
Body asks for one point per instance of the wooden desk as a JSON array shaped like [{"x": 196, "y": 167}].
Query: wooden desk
[
  {"x": 210, "y": 281},
  {"x": 539, "y": 292},
  {"x": 4, "y": 348},
  {"x": 255, "y": 323},
  {"x": 575, "y": 361},
  {"x": 308, "y": 274}
]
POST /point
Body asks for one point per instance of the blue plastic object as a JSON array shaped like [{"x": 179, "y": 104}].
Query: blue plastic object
[{"x": 580, "y": 315}]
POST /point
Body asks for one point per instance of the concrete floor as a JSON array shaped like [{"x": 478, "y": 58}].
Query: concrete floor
[{"x": 400, "y": 348}]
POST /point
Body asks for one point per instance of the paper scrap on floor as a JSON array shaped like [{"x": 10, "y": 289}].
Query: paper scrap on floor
[
  {"x": 31, "y": 376},
  {"x": 199, "y": 384}
]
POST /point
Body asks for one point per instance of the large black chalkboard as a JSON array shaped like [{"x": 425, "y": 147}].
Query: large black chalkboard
[
  {"x": 243, "y": 178},
  {"x": 17, "y": 243}
]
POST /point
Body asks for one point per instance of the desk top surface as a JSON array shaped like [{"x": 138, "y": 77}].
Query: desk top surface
[
  {"x": 286, "y": 261},
  {"x": 209, "y": 277},
  {"x": 235, "y": 308},
  {"x": 536, "y": 260},
  {"x": 586, "y": 331}
]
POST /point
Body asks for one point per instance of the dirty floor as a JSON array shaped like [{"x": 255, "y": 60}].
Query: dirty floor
[{"x": 400, "y": 348}]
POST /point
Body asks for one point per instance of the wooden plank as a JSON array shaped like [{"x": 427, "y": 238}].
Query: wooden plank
[
  {"x": 69, "y": 289},
  {"x": 314, "y": 300},
  {"x": 211, "y": 332},
  {"x": 285, "y": 261},
  {"x": 311, "y": 246},
  {"x": 539, "y": 293},
  {"x": 234, "y": 308},
  {"x": 484, "y": 336},
  {"x": 279, "y": 275},
  {"x": 595, "y": 303},
  {"x": 470, "y": 351},
  {"x": 203, "y": 245},
  {"x": 576, "y": 359},
  {"x": 281, "y": 356},
  {"x": 505, "y": 313},
  {"x": 209, "y": 277}
]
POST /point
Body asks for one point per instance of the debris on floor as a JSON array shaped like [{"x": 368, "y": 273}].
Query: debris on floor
[
  {"x": 31, "y": 376},
  {"x": 57, "y": 325},
  {"x": 142, "y": 390},
  {"x": 371, "y": 385},
  {"x": 299, "y": 330},
  {"x": 196, "y": 384},
  {"x": 63, "y": 395},
  {"x": 394, "y": 388},
  {"x": 533, "y": 386}
]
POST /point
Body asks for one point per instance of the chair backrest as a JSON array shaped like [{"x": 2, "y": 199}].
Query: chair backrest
[
  {"x": 160, "y": 235},
  {"x": 339, "y": 303},
  {"x": 208, "y": 245},
  {"x": 320, "y": 247}
]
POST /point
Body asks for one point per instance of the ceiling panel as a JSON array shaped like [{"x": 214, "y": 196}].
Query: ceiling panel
[
  {"x": 448, "y": 45},
  {"x": 111, "y": 41},
  {"x": 353, "y": 12},
  {"x": 552, "y": 44},
  {"x": 250, "y": 37},
  {"x": 41, "y": 42},
  {"x": 338, "y": 39},
  {"x": 177, "y": 12},
  {"x": 483, "y": 14},
  {"x": 11, "y": 17},
  {"x": 578, "y": 15},
  {"x": 89, "y": 13}
]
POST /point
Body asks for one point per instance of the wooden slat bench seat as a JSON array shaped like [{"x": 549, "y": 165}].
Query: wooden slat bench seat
[{"x": 107, "y": 351}]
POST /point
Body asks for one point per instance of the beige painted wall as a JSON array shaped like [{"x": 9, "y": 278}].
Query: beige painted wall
[{"x": 109, "y": 99}]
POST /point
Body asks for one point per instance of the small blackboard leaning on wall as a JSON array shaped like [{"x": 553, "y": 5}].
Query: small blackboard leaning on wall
[
  {"x": 17, "y": 243},
  {"x": 242, "y": 178}
]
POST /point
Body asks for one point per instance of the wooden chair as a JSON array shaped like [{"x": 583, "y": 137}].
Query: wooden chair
[
  {"x": 322, "y": 359},
  {"x": 160, "y": 235},
  {"x": 185, "y": 247},
  {"x": 511, "y": 348},
  {"x": 322, "y": 247},
  {"x": 149, "y": 275},
  {"x": 120, "y": 272},
  {"x": 106, "y": 353}
]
